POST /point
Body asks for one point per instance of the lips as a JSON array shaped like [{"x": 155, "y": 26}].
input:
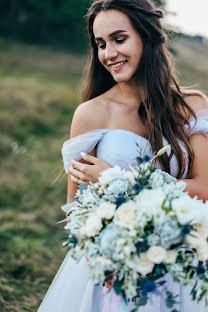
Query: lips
[{"x": 117, "y": 64}]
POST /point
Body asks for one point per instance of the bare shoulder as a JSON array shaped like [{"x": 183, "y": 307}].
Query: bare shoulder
[
  {"x": 196, "y": 100},
  {"x": 88, "y": 116}
]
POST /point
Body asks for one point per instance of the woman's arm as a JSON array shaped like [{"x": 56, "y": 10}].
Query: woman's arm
[
  {"x": 86, "y": 117},
  {"x": 198, "y": 184}
]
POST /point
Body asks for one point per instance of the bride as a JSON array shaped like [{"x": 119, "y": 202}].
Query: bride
[{"x": 131, "y": 96}]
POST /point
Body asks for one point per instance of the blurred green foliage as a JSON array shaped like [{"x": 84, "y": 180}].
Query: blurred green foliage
[
  {"x": 38, "y": 94},
  {"x": 39, "y": 91},
  {"x": 55, "y": 22}
]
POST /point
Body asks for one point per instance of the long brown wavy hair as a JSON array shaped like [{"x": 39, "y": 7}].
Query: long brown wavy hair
[{"x": 164, "y": 111}]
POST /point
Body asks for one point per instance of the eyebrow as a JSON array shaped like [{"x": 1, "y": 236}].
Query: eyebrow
[{"x": 112, "y": 34}]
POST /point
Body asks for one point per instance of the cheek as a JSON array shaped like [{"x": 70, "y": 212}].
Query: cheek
[
  {"x": 137, "y": 55},
  {"x": 101, "y": 57}
]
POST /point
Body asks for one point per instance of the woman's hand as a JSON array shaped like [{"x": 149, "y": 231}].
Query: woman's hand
[
  {"x": 110, "y": 279},
  {"x": 84, "y": 173}
]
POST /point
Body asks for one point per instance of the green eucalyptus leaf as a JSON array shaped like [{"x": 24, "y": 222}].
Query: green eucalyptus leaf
[
  {"x": 75, "y": 199},
  {"x": 117, "y": 285},
  {"x": 83, "y": 187}
]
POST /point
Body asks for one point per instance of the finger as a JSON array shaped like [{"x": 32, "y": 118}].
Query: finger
[
  {"x": 78, "y": 165},
  {"x": 77, "y": 174},
  {"x": 77, "y": 181},
  {"x": 89, "y": 158},
  {"x": 109, "y": 284}
]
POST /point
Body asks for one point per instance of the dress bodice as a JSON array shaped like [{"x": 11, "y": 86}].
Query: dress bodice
[
  {"x": 72, "y": 289},
  {"x": 121, "y": 147}
]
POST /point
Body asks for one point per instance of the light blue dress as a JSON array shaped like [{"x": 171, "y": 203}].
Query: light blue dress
[{"x": 71, "y": 289}]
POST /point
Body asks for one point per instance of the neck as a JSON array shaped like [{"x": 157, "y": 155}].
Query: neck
[{"x": 130, "y": 92}]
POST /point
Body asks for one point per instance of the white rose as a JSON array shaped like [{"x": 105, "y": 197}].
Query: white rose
[
  {"x": 127, "y": 250},
  {"x": 194, "y": 239},
  {"x": 156, "y": 254},
  {"x": 82, "y": 231},
  {"x": 93, "y": 225},
  {"x": 202, "y": 230},
  {"x": 125, "y": 215},
  {"x": 110, "y": 174},
  {"x": 143, "y": 265},
  {"x": 187, "y": 209},
  {"x": 202, "y": 251},
  {"x": 106, "y": 210},
  {"x": 171, "y": 256},
  {"x": 151, "y": 201},
  {"x": 204, "y": 219}
]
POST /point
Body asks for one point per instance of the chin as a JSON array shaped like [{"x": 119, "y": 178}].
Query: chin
[{"x": 122, "y": 79}]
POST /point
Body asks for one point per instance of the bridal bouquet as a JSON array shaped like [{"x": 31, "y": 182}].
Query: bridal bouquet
[{"x": 140, "y": 225}]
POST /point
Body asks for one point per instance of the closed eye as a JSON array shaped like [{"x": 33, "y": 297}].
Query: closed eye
[
  {"x": 120, "y": 40},
  {"x": 101, "y": 45}
]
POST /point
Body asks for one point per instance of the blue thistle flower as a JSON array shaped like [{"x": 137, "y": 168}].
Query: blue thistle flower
[
  {"x": 201, "y": 268},
  {"x": 186, "y": 230},
  {"x": 120, "y": 200},
  {"x": 149, "y": 287},
  {"x": 137, "y": 187},
  {"x": 142, "y": 246}
]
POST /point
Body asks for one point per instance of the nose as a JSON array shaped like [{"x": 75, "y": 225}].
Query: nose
[{"x": 110, "y": 52}]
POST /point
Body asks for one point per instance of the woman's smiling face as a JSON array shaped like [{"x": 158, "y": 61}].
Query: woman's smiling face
[{"x": 120, "y": 46}]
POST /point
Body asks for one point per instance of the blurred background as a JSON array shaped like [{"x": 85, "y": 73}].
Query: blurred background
[{"x": 43, "y": 48}]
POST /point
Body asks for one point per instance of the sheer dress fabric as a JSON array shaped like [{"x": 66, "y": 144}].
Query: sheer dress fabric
[{"x": 72, "y": 290}]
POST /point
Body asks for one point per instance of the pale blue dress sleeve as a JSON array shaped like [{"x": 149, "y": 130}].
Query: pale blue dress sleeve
[
  {"x": 83, "y": 143},
  {"x": 200, "y": 125}
]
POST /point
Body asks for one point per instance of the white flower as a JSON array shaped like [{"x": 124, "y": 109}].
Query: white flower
[
  {"x": 67, "y": 226},
  {"x": 143, "y": 265},
  {"x": 118, "y": 186},
  {"x": 169, "y": 231},
  {"x": 156, "y": 254},
  {"x": 202, "y": 230},
  {"x": 70, "y": 206},
  {"x": 153, "y": 239},
  {"x": 195, "y": 240},
  {"x": 98, "y": 266},
  {"x": 174, "y": 190},
  {"x": 198, "y": 240},
  {"x": 110, "y": 174},
  {"x": 202, "y": 251},
  {"x": 89, "y": 197},
  {"x": 151, "y": 201},
  {"x": 108, "y": 239},
  {"x": 82, "y": 231},
  {"x": 127, "y": 250},
  {"x": 93, "y": 225},
  {"x": 178, "y": 272},
  {"x": 106, "y": 210},
  {"x": 130, "y": 176},
  {"x": 187, "y": 209},
  {"x": 204, "y": 219},
  {"x": 156, "y": 179},
  {"x": 134, "y": 171},
  {"x": 171, "y": 256},
  {"x": 125, "y": 215}
]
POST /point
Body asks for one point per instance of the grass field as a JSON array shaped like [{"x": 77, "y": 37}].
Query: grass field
[{"x": 39, "y": 90}]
